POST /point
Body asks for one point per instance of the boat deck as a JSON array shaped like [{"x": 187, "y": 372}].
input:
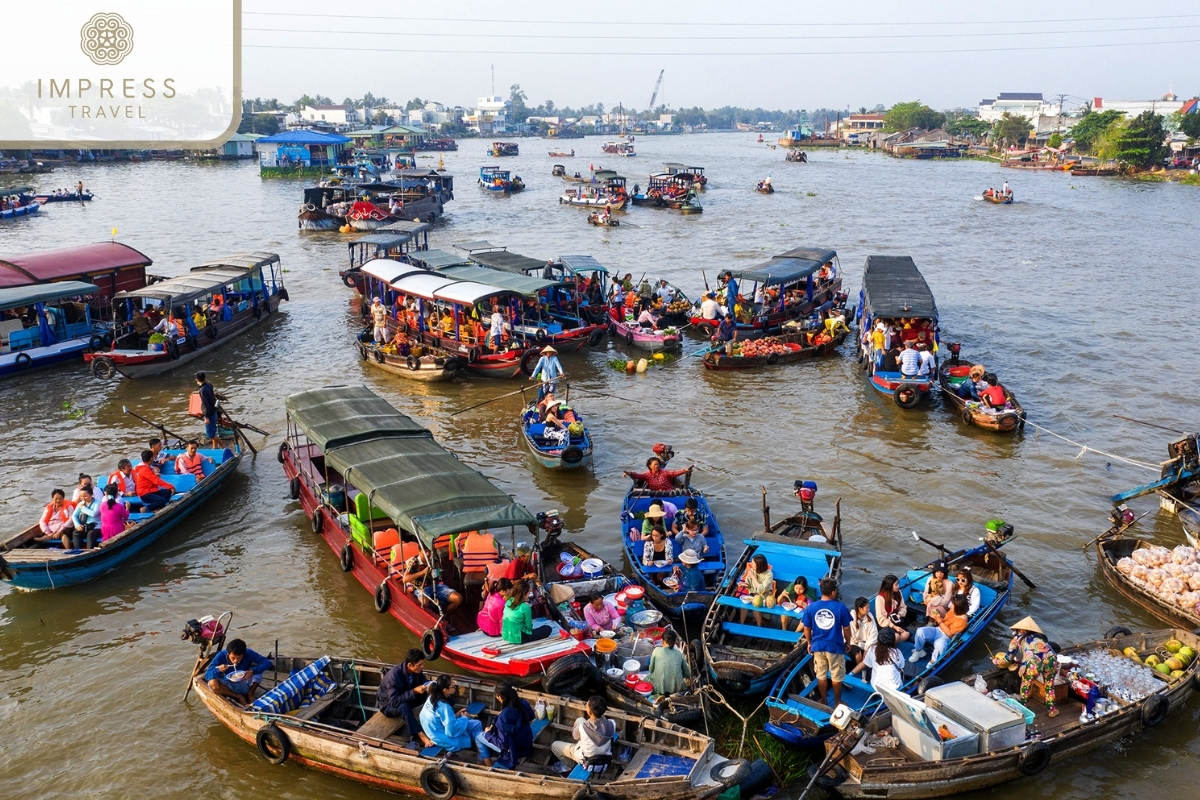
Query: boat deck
[{"x": 471, "y": 645}]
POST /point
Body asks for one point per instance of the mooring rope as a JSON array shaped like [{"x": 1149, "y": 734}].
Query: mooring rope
[{"x": 1083, "y": 448}]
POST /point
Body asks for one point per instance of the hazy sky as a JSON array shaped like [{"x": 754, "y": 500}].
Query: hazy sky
[{"x": 774, "y": 55}]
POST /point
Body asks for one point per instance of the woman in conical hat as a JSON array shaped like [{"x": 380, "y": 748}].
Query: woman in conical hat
[{"x": 1035, "y": 659}]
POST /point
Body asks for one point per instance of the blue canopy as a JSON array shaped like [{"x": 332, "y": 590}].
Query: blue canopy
[
  {"x": 17, "y": 296},
  {"x": 303, "y": 137}
]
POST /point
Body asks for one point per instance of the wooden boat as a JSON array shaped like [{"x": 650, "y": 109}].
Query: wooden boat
[
  {"x": 1112, "y": 546},
  {"x": 423, "y": 363},
  {"x": 559, "y": 563},
  {"x": 764, "y": 188},
  {"x": 1178, "y": 485},
  {"x": 893, "y": 288},
  {"x": 787, "y": 348},
  {"x": 693, "y": 174},
  {"x": 1189, "y": 519},
  {"x": 793, "y": 138},
  {"x": 341, "y": 733},
  {"x": 51, "y": 338},
  {"x": 379, "y": 490},
  {"x": 998, "y": 198},
  {"x": 610, "y": 193},
  {"x": 559, "y": 171},
  {"x": 744, "y": 658},
  {"x": 569, "y": 448},
  {"x": 900, "y": 772},
  {"x": 796, "y": 156},
  {"x": 674, "y": 602},
  {"x": 798, "y": 718},
  {"x": 634, "y": 335},
  {"x": 73, "y": 197},
  {"x": 618, "y": 148},
  {"x": 666, "y": 190},
  {"x": 554, "y": 154},
  {"x": 954, "y": 372},
  {"x": 495, "y": 180},
  {"x": 25, "y": 210},
  {"x": 797, "y": 284},
  {"x": 602, "y": 221},
  {"x": 1081, "y": 172},
  {"x": 411, "y": 195},
  {"x": 31, "y": 566},
  {"x": 251, "y": 285},
  {"x": 499, "y": 149}
]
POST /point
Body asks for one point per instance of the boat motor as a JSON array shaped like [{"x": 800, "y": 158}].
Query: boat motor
[
  {"x": 807, "y": 492},
  {"x": 1122, "y": 516},
  {"x": 664, "y": 452},
  {"x": 955, "y": 348}
]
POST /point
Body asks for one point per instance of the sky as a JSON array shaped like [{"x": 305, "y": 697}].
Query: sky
[{"x": 745, "y": 53}]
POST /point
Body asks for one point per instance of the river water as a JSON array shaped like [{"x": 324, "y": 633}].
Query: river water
[{"x": 1081, "y": 296}]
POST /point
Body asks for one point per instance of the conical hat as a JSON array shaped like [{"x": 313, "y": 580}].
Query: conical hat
[{"x": 1027, "y": 624}]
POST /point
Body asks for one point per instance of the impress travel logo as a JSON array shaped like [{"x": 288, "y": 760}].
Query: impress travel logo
[{"x": 143, "y": 76}]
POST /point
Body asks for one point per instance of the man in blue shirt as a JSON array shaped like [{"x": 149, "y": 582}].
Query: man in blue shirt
[
  {"x": 910, "y": 361},
  {"x": 691, "y": 578},
  {"x": 403, "y": 691},
  {"x": 236, "y": 671},
  {"x": 731, "y": 292},
  {"x": 826, "y": 631},
  {"x": 727, "y": 333},
  {"x": 548, "y": 369}
]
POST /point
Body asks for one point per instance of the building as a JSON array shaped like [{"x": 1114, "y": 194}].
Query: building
[
  {"x": 490, "y": 115},
  {"x": 861, "y": 124},
  {"x": 332, "y": 115},
  {"x": 1166, "y": 105},
  {"x": 1030, "y": 105},
  {"x": 240, "y": 145},
  {"x": 300, "y": 151}
]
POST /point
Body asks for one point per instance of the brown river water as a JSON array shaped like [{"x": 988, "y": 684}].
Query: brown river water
[{"x": 1081, "y": 296}]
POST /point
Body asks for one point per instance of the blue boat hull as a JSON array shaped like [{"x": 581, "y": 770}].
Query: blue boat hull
[
  {"x": 574, "y": 454},
  {"x": 92, "y": 564},
  {"x": 42, "y": 357},
  {"x": 23, "y": 211}
]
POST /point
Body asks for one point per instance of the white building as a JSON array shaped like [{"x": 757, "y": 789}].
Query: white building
[
  {"x": 490, "y": 116},
  {"x": 1166, "y": 105},
  {"x": 333, "y": 115},
  {"x": 1018, "y": 104}
]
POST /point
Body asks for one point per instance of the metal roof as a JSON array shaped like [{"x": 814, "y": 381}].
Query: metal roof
[
  {"x": 387, "y": 270},
  {"x": 788, "y": 267},
  {"x": 582, "y": 264},
  {"x": 388, "y": 240},
  {"x": 522, "y": 284},
  {"x": 303, "y": 137},
  {"x": 436, "y": 259},
  {"x": 510, "y": 262},
  {"x": 467, "y": 293},
  {"x": 200, "y": 282},
  {"x": 17, "y": 296},
  {"x": 242, "y": 260},
  {"x": 404, "y": 226},
  {"x": 481, "y": 244},
  {"x": 336, "y": 416},
  {"x": 424, "y": 284},
  {"x": 894, "y": 287},
  {"x": 69, "y": 262}
]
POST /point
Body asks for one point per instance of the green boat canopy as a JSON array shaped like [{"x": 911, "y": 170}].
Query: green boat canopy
[
  {"x": 17, "y": 296},
  {"x": 522, "y": 284},
  {"x": 436, "y": 259},
  {"x": 423, "y": 487}
]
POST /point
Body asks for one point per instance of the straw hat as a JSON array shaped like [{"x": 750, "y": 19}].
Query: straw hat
[
  {"x": 524, "y": 549},
  {"x": 656, "y": 513},
  {"x": 689, "y": 557},
  {"x": 548, "y": 350},
  {"x": 1027, "y": 625}
]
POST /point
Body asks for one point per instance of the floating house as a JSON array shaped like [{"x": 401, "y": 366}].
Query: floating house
[{"x": 300, "y": 152}]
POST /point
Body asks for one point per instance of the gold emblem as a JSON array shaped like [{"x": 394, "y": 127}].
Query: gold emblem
[{"x": 106, "y": 39}]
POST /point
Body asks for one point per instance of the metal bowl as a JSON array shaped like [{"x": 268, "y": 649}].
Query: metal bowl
[{"x": 646, "y": 619}]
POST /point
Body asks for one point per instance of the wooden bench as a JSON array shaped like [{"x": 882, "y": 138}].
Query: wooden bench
[
  {"x": 761, "y": 632},
  {"x": 380, "y": 726}
]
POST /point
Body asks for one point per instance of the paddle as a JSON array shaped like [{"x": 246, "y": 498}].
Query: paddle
[
  {"x": 162, "y": 429},
  {"x": 501, "y": 397},
  {"x": 1116, "y": 533},
  {"x": 1016, "y": 571},
  {"x": 237, "y": 431}
]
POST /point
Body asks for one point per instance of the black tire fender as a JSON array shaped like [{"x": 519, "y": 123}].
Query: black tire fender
[
  {"x": 567, "y": 674},
  {"x": 96, "y": 343},
  {"x": 773, "y": 359},
  {"x": 706, "y": 330},
  {"x": 1154, "y": 710},
  {"x": 294, "y": 488},
  {"x": 102, "y": 368},
  {"x": 273, "y": 744},
  {"x": 211, "y": 330},
  {"x": 628, "y": 336},
  {"x": 193, "y": 342},
  {"x": 730, "y": 772},
  {"x": 967, "y": 417},
  {"x": 928, "y": 683},
  {"x": 906, "y": 390},
  {"x": 362, "y": 351},
  {"x": 472, "y": 355},
  {"x": 318, "y": 520},
  {"x": 413, "y": 363},
  {"x": 347, "y": 558},
  {"x": 23, "y": 360},
  {"x": 571, "y": 454},
  {"x": 383, "y": 597},
  {"x": 438, "y": 782},
  {"x": 1117, "y": 630},
  {"x": 432, "y": 642},
  {"x": 528, "y": 360},
  {"x": 1195, "y": 676},
  {"x": 1034, "y": 759},
  {"x": 348, "y": 279},
  {"x": 258, "y": 311},
  {"x": 1053, "y": 645},
  {"x": 833, "y": 776},
  {"x": 379, "y": 356},
  {"x": 283, "y": 293},
  {"x": 595, "y": 337},
  {"x": 540, "y": 335}
]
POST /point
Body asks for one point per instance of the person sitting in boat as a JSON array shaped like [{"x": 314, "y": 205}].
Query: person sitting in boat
[
  {"x": 400, "y": 344},
  {"x": 447, "y": 728},
  {"x": 926, "y": 363},
  {"x": 491, "y": 614},
  {"x": 521, "y": 569},
  {"x": 404, "y": 688},
  {"x": 889, "y": 608},
  {"x": 517, "y": 625},
  {"x": 510, "y": 737},
  {"x": 943, "y": 627},
  {"x": 548, "y": 370},
  {"x": 910, "y": 360},
  {"x": 658, "y": 551},
  {"x": 692, "y": 535},
  {"x": 160, "y": 458},
  {"x": 939, "y": 591},
  {"x": 758, "y": 583},
  {"x": 885, "y": 661},
  {"x": 124, "y": 481},
  {"x": 836, "y": 322},
  {"x": 974, "y": 384},
  {"x": 796, "y": 593},
  {"x": 600, "y": 615},
  {"x": 191, "y": 461},
  {"x": 863, "y": 630},
  {"x": 710, "y": 309},
  {"x": 688, "y": 576},
  {"x": 655, "y": 478},
  {"x": 964, "y": 584},
  {"x": 648, "y": 320},
  {"x": 55, "y": 524},
  {"x": 236, "y": 672},
  {"x": 653, "y": 516},
  {"x": 168, "y": 326},
  {"x": 593, "y": 734},
  {"x": 114, "y": 515},
  {"x": 891, "y": 360},
  {"x": 669, "y": 668},
  {"x": 85, "y": 518},
  {"x": 1036, "y": 659},
  {"x": 216, "y": 306},
  {"x": 85, "y": 482},
  {"x": 994, "y": 398},
  {"x": 152, "y": 490},
  {"x": 425, "y": 584}
]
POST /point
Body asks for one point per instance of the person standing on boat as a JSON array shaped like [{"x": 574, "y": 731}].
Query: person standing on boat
[
  {"x": 926, "y": 363},
  {"x": 548, "y": 370},
  {"x": 1035, "y": 658},
  {"x": 209, "y": 409},
  {"x": 402, "y": 690},
  {"x": 1007, "y": 190},
  {"x": 826, "y": 631},
  {"x": 379, "y": 315},
  {"x": 731, "y": 292},
  {"x": 727, "y": 333}
]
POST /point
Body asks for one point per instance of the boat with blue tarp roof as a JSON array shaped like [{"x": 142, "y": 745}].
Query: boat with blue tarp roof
[
  {"x": 895, "y": 295},
  {"x": 48, "y": 324}
]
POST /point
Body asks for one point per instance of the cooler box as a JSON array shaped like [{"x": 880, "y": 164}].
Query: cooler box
[
  {"x": 999, "y": 726},
  {"x": 916, "y": 726}
]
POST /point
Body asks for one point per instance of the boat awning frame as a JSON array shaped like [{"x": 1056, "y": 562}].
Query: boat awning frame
[
  {"x": 583, "y": 264},
  {"x": 436, "y": 259},
  {"x": 336, "y": 416},
  {"x": 384, "y": 240},
  {"x": 789, "y": 267},
  {"x": 200, "y": 282},
  {"x": 16, "y": 296},
  {"x": 526, "y": 285},
  {"x": 508, "y": 261},
  {"x": 388, "y": 270}
]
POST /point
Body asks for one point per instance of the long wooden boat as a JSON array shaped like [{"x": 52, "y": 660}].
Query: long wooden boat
[
  {"x": 893, "y": 289},
  {"x": 747, "y": 659},
  {"x": 1112, "y": 548},
  {"x": 496, "y": 180},
  {"x": 31, "y": 566},
  {"x": 589, "y": 199},
  {"x": 251, "y": 285},
  {"x": 798, "y": 718},
  {"x": 379, "y": 490},
  {"x": 72, "y": 197},
  {"x": 694, "y": 174},
  {"x": 1080, "y": 172},
  {"x": 902, "y": 773},
  {"x": 424, "y": 363},
  {"x": 954, "y": 372},
  {"x": 559, "y": 565},
  {"x": 1189, "y": 519},
  {"x": 342, "y": 733},
  {"x": 999, "y": 199},
  {"x": 567, "y": 448},
  {"x": 673, "y": 601},
  {"x": 50, "y": 339},
  {"x": 499, "y": 149},
  {"x": 787, "y": 348},
  {"x": 634, "y": 335}
]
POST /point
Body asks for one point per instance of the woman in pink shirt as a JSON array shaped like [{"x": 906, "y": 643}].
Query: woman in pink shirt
[
  {"x": 600, "y": 615},
  {"x": 490, "y": 618},
  {"x": 113, "y": 515}
]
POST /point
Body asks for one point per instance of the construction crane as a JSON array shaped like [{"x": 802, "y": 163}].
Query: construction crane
[{"x": 657, "y": 86}]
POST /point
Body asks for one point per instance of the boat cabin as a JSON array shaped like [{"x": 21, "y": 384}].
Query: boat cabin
[
  {"x": 378, "y": 245},
  {"x": 46, "y": 324},
  {"x": 790, "y": 285},
  {"x": 895, "y": 293},
  {"x": 111, "y": 266},
  {"x": 417, "y": 229},
  {"x": 693, "y": 174}
]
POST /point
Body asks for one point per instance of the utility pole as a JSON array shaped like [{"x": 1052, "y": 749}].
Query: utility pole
[
  {"x": 1062, "y": 98},
  {"x": 493, "y": 80}
]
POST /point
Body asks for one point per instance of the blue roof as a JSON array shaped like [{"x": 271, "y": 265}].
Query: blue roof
[{"x": 304, "y": 137}]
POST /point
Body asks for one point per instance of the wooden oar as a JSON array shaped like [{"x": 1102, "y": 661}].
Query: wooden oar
[
  {"x": 237, "y": 432},
  {"x": 501, "y": 397},
  {"x": 166, "y": 433}
]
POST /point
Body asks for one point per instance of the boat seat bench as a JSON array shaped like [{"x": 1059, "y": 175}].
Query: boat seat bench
[
  {"x": 779, "y": 611},
  {"x": 761, "y": 632}
]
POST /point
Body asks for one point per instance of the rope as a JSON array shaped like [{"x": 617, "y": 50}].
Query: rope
[
  {"x": 1083, "y": 448},
  {"x": 745, "y": 720},
  {"x": 357, "y": 689}
]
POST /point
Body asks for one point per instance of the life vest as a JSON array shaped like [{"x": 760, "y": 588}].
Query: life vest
[
  {"x": 995, "y": 396},
  {"x": 186, "y": 464},
  {"x": 125, "y": 485}
]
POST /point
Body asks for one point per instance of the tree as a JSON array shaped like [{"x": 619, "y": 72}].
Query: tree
[
  {"x": 914, "y": 114},
  {"x": 1190, "y": 125},
  {"x": 371, "y": 101},
  {"x": 968, "y": 127},
  {"x": 1012, "y": 130},
  {"x": 1139, "y": 142},
  {"x": 414, "y": 104},
  {"x": 520, "y": 112},
  {"x": 1091, "y": 127},
  {"x": 1055, "y": 140},
  {"x": 266, "y": 124}
]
